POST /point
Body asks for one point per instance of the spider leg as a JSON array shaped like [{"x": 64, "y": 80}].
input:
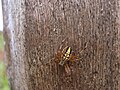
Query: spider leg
[
  {"x": 63, "y": 41},
  {"x": 78, "y": 59},
  {"x": 58, "y": 56},
  {"x": 74, "y": 57},
  {"x": 67, "y": 69},
  {"x": 86, "y": 44}
]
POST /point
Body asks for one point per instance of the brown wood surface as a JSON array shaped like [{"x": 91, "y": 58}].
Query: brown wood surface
[{"x": 34, "y": 29}]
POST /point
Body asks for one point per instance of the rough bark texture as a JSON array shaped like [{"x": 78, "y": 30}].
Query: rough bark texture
[{"x": 34, "y": 29}]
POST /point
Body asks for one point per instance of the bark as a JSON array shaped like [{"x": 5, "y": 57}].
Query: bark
[{"x": 34, "y": 29}]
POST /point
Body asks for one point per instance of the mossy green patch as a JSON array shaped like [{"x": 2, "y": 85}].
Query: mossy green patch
[{"x": 3, "y": 77}]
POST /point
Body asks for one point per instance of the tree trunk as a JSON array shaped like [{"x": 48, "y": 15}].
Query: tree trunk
[{"x": 34, "y": 30}]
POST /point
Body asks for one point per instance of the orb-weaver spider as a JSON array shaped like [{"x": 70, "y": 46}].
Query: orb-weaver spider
[{"x": 64, "y": 55}]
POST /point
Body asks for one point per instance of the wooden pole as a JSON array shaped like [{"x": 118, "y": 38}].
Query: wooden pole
[{"x": 33, "y": 31}]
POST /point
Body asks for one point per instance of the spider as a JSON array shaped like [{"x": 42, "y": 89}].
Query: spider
[{"x": 64, "y": 56}]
